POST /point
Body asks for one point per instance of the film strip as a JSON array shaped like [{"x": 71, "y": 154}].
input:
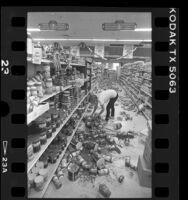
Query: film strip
[{"x": 165, "y": 101}]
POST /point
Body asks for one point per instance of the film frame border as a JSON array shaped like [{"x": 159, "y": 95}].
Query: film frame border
[{"x": 165, "y": 122}]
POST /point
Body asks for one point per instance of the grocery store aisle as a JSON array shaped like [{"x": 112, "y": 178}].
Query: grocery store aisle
[{"x": 87, "y": 186}]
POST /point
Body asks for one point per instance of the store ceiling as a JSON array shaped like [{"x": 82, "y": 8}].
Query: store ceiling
[{"x": 88, "y": 25}]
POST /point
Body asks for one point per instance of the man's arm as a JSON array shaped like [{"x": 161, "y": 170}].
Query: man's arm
[
  {"x": 95, "y": 107},
  {"x": 102, "y": 109}
]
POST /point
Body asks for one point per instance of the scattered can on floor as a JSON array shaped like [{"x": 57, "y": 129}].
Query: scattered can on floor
[
  {"x": 44, "y": 173},
  {"x": 127, "y": 161},
  {"x": 117, "y": 126},
  {"x": 104, "y": 190},
  {"x": 93, "y": 171},
  {"x": 108, "y": 158},
  {"x": 56, "y": 182},
  {"x": 102, "y": 172},
  {"x": 39, "y": 183},
  {"x": 29, "y": 188},
  {"x": 40, "y": 164},
  {"x": 35, "y": 170},
  {"x": 31, "y": 178},
  {"x": 121, "y": 179},
  {"x": 73, "y": 171}
]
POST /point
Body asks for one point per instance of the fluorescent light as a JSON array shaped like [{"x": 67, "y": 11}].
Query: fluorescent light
[
  {"x": 143, "y": 29},
  {"x": 137, "y": 29},
  {"x": 33, "y": 29},
  {"x": 36, "y": 30},
  {"x": 90, "y": 40}
]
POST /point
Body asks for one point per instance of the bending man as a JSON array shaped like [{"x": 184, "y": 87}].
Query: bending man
[{"x": 105, "y": 98}]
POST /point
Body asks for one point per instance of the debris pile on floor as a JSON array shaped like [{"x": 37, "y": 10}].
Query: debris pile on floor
[
  {"x": 91, "y": 149},
  {"x": 99, "y": 152}
]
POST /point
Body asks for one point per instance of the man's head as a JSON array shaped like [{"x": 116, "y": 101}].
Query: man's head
[{"x": 93, "y": 98}]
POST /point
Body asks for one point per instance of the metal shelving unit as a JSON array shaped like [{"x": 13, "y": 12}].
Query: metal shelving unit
[
  {"x": 53, "y": 167},
  {"x": 44, "y": 147}
]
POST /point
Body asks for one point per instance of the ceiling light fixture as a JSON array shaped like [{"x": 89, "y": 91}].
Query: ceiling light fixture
[
  {"x": 137, "y": 30},
  {"x": 89, "y": 40},
  {"x": 33, "y": 29},
  {"x": 143, "y": 29},
  {"x": 54, "y": 25},
  {"x": 119, "y": 25}
]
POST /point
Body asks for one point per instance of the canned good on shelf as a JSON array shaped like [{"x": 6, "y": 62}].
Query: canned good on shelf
[
  {"x": 40, "y": 164},
  {"x": 49, "y": 132},
  {"x": 36, "y": 145},
  {"x": 43, "y": 138},
  {"x": 44, "y": 173},
  {"x": 35, "y": 170},
  {"x": 31, "y": 178}
]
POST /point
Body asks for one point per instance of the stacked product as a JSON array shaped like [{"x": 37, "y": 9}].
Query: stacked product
[
  {"x": 66, "y": 99},
  {"x": 85, "y": 150},
  {"x": 71, "y": 97},
  {"x": 63, "y": 77},
  {"x": 37, "y": 86},
  {"x": 136, "y": 78},
  {"x": 144, "y": 163},
  {"x": 37, "y": 176},
  {"x": 32, "y": 96},
  {"x": 82, "y": 94},
  {"x": 39, "y": 173}
]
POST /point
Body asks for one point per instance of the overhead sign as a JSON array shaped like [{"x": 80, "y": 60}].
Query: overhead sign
[
  {"x": 37, "y": 55},
  {"x": 128, "y": 51},
  {"x": 99, "y": 51},
  {"x": 75, "y": 51}
]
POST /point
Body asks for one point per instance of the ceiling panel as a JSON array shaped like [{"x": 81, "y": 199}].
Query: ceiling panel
[{"x": 89, "y": 25}]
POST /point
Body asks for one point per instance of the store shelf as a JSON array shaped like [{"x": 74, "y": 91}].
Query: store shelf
[
  {"x": 134, "y": 87},
  {"x": 42, "y": 61},
  {"x": 144, "y": 114},
  {"x": 46, "y": 61},
  {"x": 76, "y": 64},
  {"x": 50, "y": 61},
  {"x": 45, "y": 97},
  {"x": 147, "y": 103},
  {"x": 37, "y": 112},
  {"x": 145, "y": 92},
  {"x": 29, "y": 59},
  {"x": 53, "y": 167},
  {"x": 147, "y": 78},
  {"x": 44, "y": 147},
  {"x": 145, "y": 71},
  {"x": 132, "y": 91},
  {"x": 125, "y": 82}
]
